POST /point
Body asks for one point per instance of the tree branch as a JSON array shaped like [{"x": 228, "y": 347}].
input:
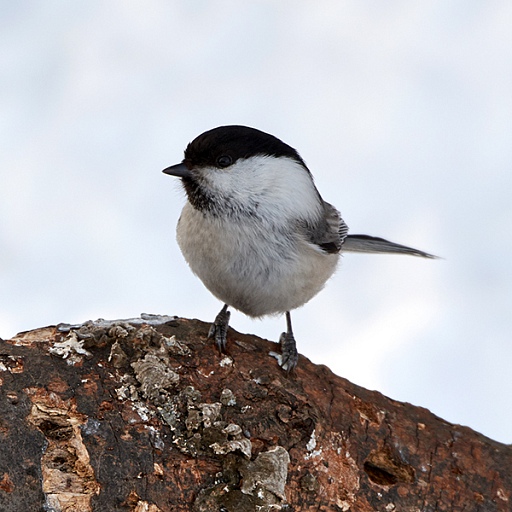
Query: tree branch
[{"x": 145, "y": 415}]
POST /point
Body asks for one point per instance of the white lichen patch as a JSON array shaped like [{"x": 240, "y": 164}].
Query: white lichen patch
[
  {"x": 227, "y": 398},
  {"x": 209, "y": 413},
  {"x": 154, "y": 376},
  {"x": 142, "y": 410},
  {"x": 311, "y": 445},
  {"x": 226, "y": 361},
  {"x": 175, "y": 347},
  {"x": 117, "y": 355},
  {"x": 236, "y": 441},
  {"x": 313, "y": 454},
  {"x": 242, "y": 445},
  {"x": 72, "y": 349}
]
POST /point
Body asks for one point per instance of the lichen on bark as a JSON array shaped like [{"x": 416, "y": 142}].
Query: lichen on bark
[{"x": 145, "y": 415}]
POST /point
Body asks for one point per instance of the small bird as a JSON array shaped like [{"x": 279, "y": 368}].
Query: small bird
[{"x": 256, "y": 231}]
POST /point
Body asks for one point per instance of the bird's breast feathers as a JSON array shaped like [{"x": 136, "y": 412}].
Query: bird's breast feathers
[{"x": 252, "y": 265}]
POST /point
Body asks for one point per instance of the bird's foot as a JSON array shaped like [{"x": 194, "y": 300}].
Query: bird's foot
[
  {"x": 219, "y": 329},
  {"x": 289, "y": 354}
]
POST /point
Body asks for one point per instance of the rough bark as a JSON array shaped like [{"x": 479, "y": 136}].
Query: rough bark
[{"x": 147, "y": 416}]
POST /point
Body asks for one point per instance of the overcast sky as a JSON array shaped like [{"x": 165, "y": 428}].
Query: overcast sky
[{"x": 402, "y": 111}]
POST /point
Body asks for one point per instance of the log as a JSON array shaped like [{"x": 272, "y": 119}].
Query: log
[{"x": 145, "y": 415}]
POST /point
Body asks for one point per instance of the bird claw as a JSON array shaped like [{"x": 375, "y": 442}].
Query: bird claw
[
  {"x": 290, "y": 356},
  {"x": 219, "y": 329}
]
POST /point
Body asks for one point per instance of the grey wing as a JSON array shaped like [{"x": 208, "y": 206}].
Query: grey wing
[{"x": 330, "y": 233}]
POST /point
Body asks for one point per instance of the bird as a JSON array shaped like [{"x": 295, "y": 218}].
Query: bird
[{"x": 256, "y": 231}]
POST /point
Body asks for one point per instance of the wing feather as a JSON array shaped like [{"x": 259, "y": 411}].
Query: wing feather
[{"x": 329, "y": 232}]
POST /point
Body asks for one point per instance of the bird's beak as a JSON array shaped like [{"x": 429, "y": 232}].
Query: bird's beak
[{"x": 179, "y": 170}]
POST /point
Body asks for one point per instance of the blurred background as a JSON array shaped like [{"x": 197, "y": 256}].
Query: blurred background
[{"x": 402, "y": 111}]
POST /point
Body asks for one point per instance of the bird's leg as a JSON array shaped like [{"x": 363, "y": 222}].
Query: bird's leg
[
  {"x": 219, "y": 328},
  {"x": 290, "y": 356}
]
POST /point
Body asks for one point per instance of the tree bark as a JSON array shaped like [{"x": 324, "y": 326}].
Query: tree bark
[{"x": 145, "y": 415}]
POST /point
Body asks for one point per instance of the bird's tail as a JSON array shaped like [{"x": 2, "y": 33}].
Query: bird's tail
[{"x": 365, "y": 243}]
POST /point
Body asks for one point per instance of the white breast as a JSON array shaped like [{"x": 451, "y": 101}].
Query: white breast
[{"x": 257, "y": 270}]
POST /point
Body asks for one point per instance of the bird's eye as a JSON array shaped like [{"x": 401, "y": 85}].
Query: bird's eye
[{"x": 224, "y": 161}]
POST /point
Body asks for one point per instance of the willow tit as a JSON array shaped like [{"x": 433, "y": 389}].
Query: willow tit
[{"x": 255, "y": 229}]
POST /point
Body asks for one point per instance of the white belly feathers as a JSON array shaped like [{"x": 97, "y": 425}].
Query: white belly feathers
[{"x": 257, "y": 279}]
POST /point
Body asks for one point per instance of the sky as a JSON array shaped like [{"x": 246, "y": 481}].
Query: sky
[{"x": 402, "y": 111}]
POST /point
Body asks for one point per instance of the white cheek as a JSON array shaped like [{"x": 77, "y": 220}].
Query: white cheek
[{"x": 278, "y": 186}]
